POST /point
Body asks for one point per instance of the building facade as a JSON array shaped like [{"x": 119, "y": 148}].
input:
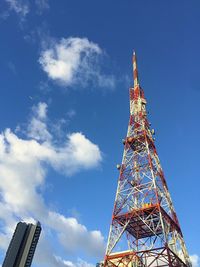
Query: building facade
[{"x": 22, "y": 246}]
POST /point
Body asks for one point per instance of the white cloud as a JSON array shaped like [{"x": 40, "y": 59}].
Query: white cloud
[
  {"x": 4, "y": 241},
  {"x": 195, "y": 260},
  {"x": 74, "y": 236},
  {"x": 23, "y": 169},
  {"x": 61, "y": 62},
  {"x": 77, "y": 153},
  {"x": 41, "y": 110},
  {"x": 74, "y": 61}
]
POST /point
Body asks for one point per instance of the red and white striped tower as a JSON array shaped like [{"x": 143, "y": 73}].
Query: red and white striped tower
[{"x": 144, "y": 230}]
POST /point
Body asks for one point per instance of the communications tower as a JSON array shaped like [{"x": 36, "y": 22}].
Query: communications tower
[{"x": 144, "y": 231}]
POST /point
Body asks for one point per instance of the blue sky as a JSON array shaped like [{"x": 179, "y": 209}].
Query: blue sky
[{"x": 65, "y": 73}]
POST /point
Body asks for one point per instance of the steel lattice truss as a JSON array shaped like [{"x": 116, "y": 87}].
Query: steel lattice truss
[{"x": 144, "y": 220}]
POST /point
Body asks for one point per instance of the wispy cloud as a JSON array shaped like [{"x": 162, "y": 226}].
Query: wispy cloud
[
  {"x": 75, "y": 61},
  {"x": 11, "y": 66},
  {"x": 41, "y": 5},
  {"x": 23, "y": 170},
  {"x": 37, "y": 128},
  {"x": 71, "y": 113},
  {"x": 21, "y": 7}
]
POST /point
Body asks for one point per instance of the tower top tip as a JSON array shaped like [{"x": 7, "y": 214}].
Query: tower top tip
[{"x": 135, "y": 71}]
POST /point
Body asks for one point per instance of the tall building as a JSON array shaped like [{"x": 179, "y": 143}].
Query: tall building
[
  {"x": 144, "y": 231},
  {"x": 22, "y": 246}
]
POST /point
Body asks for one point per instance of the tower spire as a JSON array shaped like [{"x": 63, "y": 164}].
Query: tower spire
[{"x": 135, "y": 70}]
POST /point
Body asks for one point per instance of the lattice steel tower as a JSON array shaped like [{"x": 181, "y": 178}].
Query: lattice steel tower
[{"x": 144, "y": 230}]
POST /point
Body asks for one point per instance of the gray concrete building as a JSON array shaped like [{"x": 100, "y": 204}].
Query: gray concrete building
[{"x": 22, "y": 246}]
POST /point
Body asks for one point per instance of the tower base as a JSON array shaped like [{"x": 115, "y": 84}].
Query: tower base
[{"x": 160, "y": 257}]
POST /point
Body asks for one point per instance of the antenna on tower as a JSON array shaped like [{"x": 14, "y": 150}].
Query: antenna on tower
[{"x": 135, "y": 70}]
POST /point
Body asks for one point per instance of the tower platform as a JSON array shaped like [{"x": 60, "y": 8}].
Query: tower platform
[{"x": 145, "y": 222}]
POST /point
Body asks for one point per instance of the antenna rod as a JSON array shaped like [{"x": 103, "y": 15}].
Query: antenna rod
[{"x": 135, "y": 71}]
